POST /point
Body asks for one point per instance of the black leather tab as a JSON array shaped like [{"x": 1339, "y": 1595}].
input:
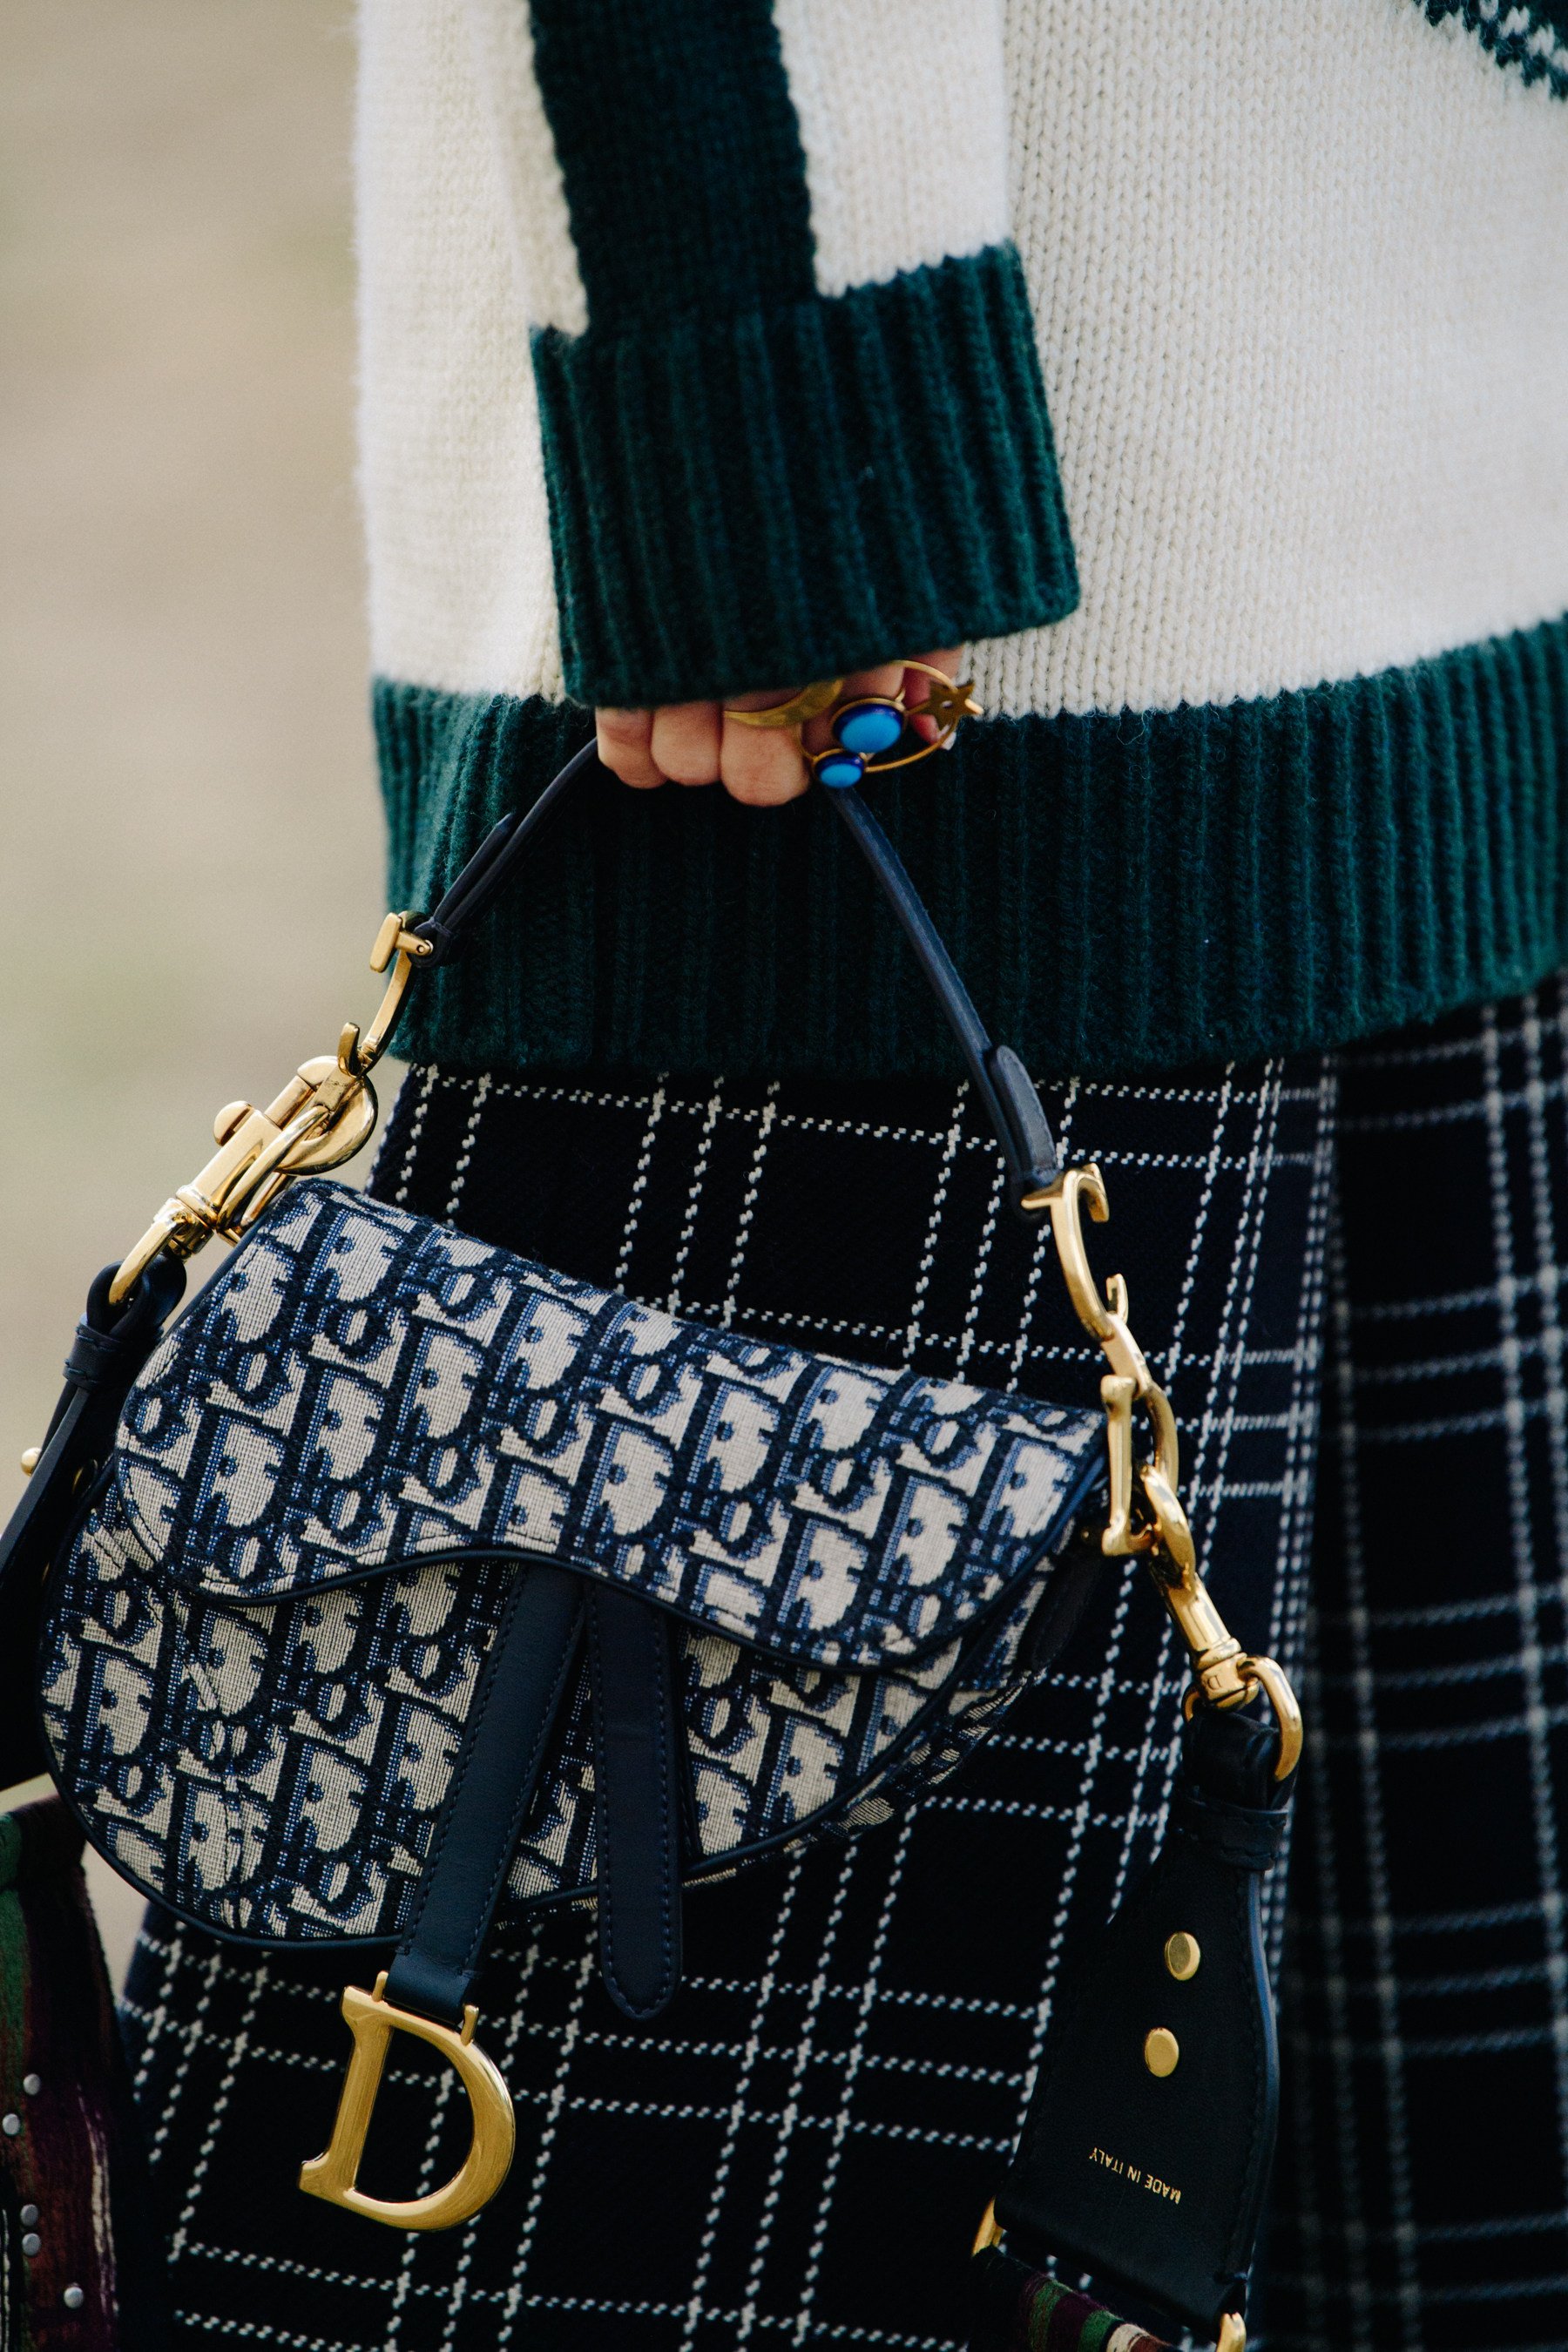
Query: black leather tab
[
  {"x": 1033, "y": 1162},
  {"x": 503, "y": 1749},
  {"x": 1155, "y": 2183},
  {"x": 637, "y": 1806}
]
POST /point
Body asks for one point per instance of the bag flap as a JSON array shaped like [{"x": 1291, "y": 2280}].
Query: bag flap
[{"x": 359, "y": 1387}]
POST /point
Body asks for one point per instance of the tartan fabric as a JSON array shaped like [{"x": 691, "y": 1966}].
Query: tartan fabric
[
  {"x": 80, "y": 2266},
  {"x": 1421, "y": 2189},
  {"x": 798, "y": 2150},
  {"x": 1026, "y": 2310}
]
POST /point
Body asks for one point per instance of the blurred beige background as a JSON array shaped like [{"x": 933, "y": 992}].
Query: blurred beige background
[{"x": 192, "y": 840}]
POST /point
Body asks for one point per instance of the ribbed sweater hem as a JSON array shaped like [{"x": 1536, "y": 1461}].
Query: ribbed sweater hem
[
  {"x": 847, "y": 477},
  {"x": 1123, "y": 892}
]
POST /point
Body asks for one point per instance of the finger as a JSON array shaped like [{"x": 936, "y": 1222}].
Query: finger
[
  {"x": 685, "y": 742},
  {"x": 760, "y": 765},
  {"x": 624, "y": 738}
]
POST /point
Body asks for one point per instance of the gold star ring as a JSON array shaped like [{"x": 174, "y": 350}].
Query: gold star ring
[{"x": 945, "y": 702}]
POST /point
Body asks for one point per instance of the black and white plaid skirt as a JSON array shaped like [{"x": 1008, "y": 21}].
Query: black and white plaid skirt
[{"x": 796, "y": 2154}]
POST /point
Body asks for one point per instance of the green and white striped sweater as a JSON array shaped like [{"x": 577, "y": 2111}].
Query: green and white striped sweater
[{"x": 1202, "y": 364}]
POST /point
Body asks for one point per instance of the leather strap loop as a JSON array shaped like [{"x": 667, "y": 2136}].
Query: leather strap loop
[
  {"x": 637, "y": 1801},
  {"x": 519, "y": 1693},
  {"x": 109, "y": 1348},
  {"x": 1239, "y": 1834},
  {"x": 1006, "y": 1091}
]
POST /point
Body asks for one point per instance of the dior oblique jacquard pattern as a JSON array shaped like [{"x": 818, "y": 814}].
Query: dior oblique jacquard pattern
[
  {"x": 1191, "y": 364},
  {"x": 267, "y": 1638}
]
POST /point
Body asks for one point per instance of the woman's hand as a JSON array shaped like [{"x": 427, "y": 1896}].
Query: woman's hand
[{"x": 695, "y": 743}]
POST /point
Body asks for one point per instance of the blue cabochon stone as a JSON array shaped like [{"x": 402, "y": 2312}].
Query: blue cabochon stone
[
  {"x": 839, "y": 769},
  {"x": 868, "y": 728}
]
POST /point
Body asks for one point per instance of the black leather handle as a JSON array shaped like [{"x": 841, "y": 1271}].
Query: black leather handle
[{"x": 1005, "y": 1090}]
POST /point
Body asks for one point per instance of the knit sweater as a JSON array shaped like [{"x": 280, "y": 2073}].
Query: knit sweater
[{"x": 1199, "y": 364}]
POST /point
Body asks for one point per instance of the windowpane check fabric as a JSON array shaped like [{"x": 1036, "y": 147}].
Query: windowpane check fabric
[
  {"x": 799, "y": 2149},
  {"x": 1420, "y": 2190},
  {"x": 796, "y": 2154}
]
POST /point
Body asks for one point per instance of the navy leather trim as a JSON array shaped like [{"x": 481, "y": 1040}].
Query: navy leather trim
[
  {"x": 409, "y": 1563},
  {"x": 508, "y": 1732},
  {"x": 636, "y": 1803},
  {"x": 110, "y": 1346},
  {"x": 1055, "y": 1630},
  {"x": 107, "y": 1352}
]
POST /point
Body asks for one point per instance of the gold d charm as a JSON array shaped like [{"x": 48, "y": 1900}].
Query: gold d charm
[{"x": 372, "y": 2019}]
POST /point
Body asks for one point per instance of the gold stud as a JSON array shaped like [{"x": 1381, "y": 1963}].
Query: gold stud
[
  {"x": 1182, "y": 1955},
  {"x": 1160, "y": 2051},
  {"x": 31, "y": 1459}
]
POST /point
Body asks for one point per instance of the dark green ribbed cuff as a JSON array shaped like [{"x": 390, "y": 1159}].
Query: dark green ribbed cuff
[
  {"x": 1122, "y": 892},
  {"x": 763, "y": 497}
]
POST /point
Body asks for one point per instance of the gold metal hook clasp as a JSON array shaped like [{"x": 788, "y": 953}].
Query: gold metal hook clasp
[
  {"x": 1156, "y": 1524},
  {"x": 1129, "y": 1382},
  {"x": 324, "y": 1115},
  {"x": 395, "y": 945},
  {"x": 372, "y": 2019}
]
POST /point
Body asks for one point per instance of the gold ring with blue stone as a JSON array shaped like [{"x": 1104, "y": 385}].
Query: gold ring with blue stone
[{"x": 869, "y": 727}]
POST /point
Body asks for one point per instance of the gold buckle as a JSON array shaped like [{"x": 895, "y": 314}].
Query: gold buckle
[{"x": 372, "y": 2019}]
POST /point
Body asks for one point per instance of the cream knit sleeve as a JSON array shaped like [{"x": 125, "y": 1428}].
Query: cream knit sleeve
[{"x": 790, "y": 403}]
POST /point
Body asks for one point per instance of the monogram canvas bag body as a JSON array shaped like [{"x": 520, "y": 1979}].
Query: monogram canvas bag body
[{"x": 402, "y": 1582}]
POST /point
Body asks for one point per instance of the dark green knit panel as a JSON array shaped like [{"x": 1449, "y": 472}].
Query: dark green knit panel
[
  {"x": 681, "y": 154},
  {"x": 783, "y": 494},
  {"x": 1122, "y": 892},
  {"x": 752, "y": 483},
  {"x": 1530, "y": 36}
]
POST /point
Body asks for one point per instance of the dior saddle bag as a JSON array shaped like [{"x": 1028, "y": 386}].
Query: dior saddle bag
[{"x": 399, "y": 1581}]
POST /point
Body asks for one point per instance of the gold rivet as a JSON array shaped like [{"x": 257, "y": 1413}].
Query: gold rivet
[
  {"x": 228, "y": 1119},
  {"x": 1182, "y": 1955},
  {"x": 31, "y": 1459},
  {"x": 1160, "y": 2051}
]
